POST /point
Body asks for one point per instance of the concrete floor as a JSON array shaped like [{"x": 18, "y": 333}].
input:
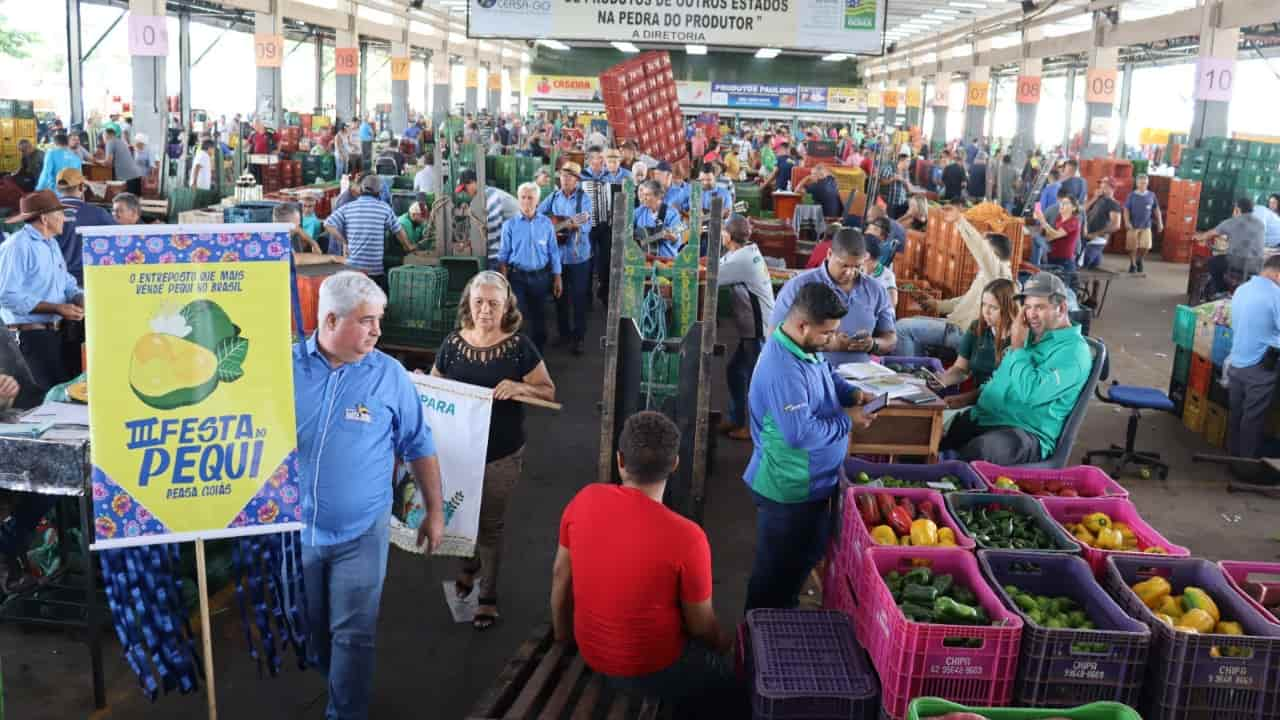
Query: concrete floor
[{"x": 430, "y": 667}]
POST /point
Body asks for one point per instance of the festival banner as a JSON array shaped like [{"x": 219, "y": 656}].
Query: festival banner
[
  {"x": 562, "y": 87},
  {"x": 753, "y": 95},
  {"x": 458, "y": 415},
  {"x": 843, "y": 26},
  {"x": 846, "y": 100},
  {"x": 191, "y": 420}
]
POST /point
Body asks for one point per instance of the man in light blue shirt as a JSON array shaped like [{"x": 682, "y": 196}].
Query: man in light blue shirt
[
  {"x": 528, "y": 256},
  {"x": 357, "y": 412},
  {"x": 658, "y": 228},
  {"x": 1270, "y": 224},
  {"x": 1255, "y": 349},
  {"x": 868, "y": 328},
  {"x": 707, "y": 178},
  {"x": 366, "y": 143},
  {"x": 573, "y": 206},
  {"x": 56, "y": 160},
  {"x": 675, "y": 191},
  {"x": 360, "y": 227},
  {"x": 37, "y": 293}
]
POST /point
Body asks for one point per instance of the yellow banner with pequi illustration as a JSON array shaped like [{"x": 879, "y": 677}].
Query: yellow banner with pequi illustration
[{"x": 191, "y": 413}]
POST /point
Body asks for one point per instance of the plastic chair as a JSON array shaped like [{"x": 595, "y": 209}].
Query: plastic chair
[
  {"x": 1067, "y": 439},
  {"x": 1136, "y": 398}
]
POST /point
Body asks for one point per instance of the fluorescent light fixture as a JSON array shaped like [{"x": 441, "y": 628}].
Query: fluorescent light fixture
[
  {"x": 767, "y": 53},
  {"x": 553, "y": 44},
  {"x": 967, "y": 4},
  {"x": 929, "y": 21},
  {"x": 696, "y": 49},
  {"x": 457, "y": 37},
  {"x": 945, "y": 11},
  {"x": 835, "y": 57},
  {"x": 625, "y": 47}
]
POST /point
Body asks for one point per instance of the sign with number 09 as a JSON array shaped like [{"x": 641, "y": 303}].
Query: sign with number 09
[
  {"x": 1028, "y": 89},
  {"x": 1215, "y": 78},
  {"x": 1100, "y": 86},
  {"x": 148, "y": 35},
  {"x": 268, "y": 50},
  {"x": 345, "y": 61}
]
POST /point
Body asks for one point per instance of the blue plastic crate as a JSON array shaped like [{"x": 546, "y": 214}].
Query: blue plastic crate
[
  {"x": 931, "y": 476},
  {"x": 1221, "y": 345},
  {"x": 806, "y": 665}
]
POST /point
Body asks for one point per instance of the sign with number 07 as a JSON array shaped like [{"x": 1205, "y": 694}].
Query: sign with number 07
[
  {"x": 399, "y": 68},
  {"x": 148, "y": 35},
  {"x": 1215, "y": 78},
  {"x": 345, "y": 61},
  {"x": 268, "y": 51}
]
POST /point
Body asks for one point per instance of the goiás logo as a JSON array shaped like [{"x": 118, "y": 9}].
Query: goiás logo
[
  {"x": 516, "y": 6},
  {"x": 187, "y": 354}
]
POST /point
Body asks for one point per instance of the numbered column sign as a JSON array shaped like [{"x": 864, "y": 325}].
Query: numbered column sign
[
  {"x": 913, "y": 97},
  {"x": 890, "y": 98},
  {"x": 268, "y": 51},
  {"x": 148, "y": 35},
  {"x": 400, "y": 68},
  {"x": 1215, "y": 78},
  {"x": 1028, "y": 89},
  {"x": 1100, "y": 86},
  {"x": 939, "y": 96},
  {"x": 978, "y": 91},
  {"x": 346, "y": 60}
]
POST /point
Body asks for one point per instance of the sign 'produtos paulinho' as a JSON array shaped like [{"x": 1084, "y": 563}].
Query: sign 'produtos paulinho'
[{"x": 846, "y": 26}]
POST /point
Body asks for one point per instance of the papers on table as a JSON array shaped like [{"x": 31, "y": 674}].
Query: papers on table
[
  {"x": 863, "y": 371},
  {"x": 59, "y": 414},
  {"x": 24, "y": 429}
]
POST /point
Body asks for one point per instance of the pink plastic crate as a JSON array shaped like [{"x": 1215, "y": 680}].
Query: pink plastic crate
[
  {"x": 1073, "y": 510},
  {"x": 915, "y": 659},
  {"x": 857, "y": 536},
  {"x": 1088, "y": 481},
  {"x": 1237, "y": 570}
]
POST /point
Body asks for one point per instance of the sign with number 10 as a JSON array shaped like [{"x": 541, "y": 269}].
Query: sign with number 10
[
  {"x": 148, "y": 35},
  {"x": 1215, "y": 78}
]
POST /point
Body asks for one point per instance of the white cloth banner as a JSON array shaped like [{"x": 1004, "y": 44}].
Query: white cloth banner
[{"x": 458, "y": 415}]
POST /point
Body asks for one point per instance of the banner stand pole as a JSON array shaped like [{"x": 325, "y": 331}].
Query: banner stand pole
[{"x": 206, "y": 633}]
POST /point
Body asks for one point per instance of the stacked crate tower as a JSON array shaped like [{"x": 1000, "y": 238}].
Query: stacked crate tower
[
  {"x": 640, "y": 100},
  {"x": 1229, "y": 169},
  {"x": 17, "y": 123},
  {"x": 1179, "y": 201}
]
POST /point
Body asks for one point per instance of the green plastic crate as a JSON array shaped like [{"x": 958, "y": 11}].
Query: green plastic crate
[
  {"x": 417, "y": 297},
  {"x": 1217, "y": 165},
  {"x": 928, "y": 707},
  {"x": 1184, "y": 327},
  {"x": 1193, "y": 155},
  {"x": 1260, "y": 151},
  {"x": 461, "y": 269},
  {"x": 24, "y": 109},
  {"x": 1235, "y": 163},
  {"x": 1219, "y": 183},
  {"x": 1215, "y": 145},
  {"x": 1239, "y": 148},
  {"x": 1140, "y": 167},
  {"x": 6, "y": 108},
  {"x": 1191, "y": 171}
]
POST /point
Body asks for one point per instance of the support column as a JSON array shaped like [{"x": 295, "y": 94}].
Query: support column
[
  {"x": 399, "y": 90},
  {"x": 472, "y": 83},
  {"x": 941, "y": 94},
  {"x": 891, "y": 101},
  {"x": 270, "y": 95},
  {"x": 1100, "y": 84},
  {"x": 1209, "y": 117},
  {"x": 1126, "y": 94},
  {"x": 440, "y": 75},
  {"x": 1070, "y": 99},
  {"x": 426, "y": 87},
  {"x": 977, "y": 94},
  {"x": 875, "y": 102},
  {"x": 495, "y": 90},
  {"x": 915, "y": 94},
  {"x": 1027, "y": 96},
  {"x": 75, "y": 67},
  {"x": 184, "y": 72},
  {"x": 318, "y": 109},
  {"x": 150, "y": 98},
  {"x": 344, "y": 97},
  {"x": 362, "y": 97}
]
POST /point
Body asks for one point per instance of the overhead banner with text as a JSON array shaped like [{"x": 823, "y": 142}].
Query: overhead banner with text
[
  {"x": 844, "y": 26},
  {"x": 753, "y": 95},
  {"x": 562, "y": 87},
  {"x": 191, "y": 420}
]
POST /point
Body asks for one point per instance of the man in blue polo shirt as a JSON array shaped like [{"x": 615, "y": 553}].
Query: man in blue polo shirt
[
  {"x": 868, "y": 328},
  {"x": 1255, "y": 348},
  {"x": 572, "y": 203},
  {"x": 675, "y": 190},
  {"x": 658, "y": 228},
  {"x": 360, "y": 227},
  {"x": 357, "y": 412},
  {"x": 707, "y": 178},
  {"x": 528, "y": 256},
  {"x": 821, "y": 184}
]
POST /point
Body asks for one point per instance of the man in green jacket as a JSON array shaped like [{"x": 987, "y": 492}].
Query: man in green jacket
[
  {"x": 415, "y": 224},
  {"x": 1021, "y": 410}
]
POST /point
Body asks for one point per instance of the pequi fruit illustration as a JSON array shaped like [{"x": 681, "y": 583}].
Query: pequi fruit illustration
[{"x": 186, "y": 356}]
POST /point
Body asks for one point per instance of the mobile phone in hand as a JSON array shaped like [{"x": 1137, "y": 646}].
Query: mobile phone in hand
[{"x": 876, "y": 405}]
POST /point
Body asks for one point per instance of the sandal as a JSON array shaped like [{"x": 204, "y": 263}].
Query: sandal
[
  {"x": 486, "y": 619},
  {"x": 464, "y": 584}
]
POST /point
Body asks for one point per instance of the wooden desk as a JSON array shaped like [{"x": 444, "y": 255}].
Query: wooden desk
[{"x": 900, "y": 429}]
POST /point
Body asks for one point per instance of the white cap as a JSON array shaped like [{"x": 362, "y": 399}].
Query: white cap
[{"x": 139, "y": 138}]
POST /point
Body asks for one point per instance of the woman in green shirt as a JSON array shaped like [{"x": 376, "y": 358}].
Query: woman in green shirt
[{"x": 985, "y": 342}]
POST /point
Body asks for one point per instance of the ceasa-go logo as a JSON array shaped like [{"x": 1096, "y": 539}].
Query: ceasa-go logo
[{"x": 516, "y": 6}]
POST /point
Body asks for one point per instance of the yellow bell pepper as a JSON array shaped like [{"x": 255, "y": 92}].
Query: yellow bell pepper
[
  {"x": 1229, "y": 628},
  {"x": 924, "y": 532},
  {"x": 1153, "y": 591},
  {"x": 1083, "y": 535},
  {"x": 1197, "y": 620},
  {"x": 1156, "y": 550},
  {"x": 1164, "y": 619},
  {"x": 884, "y": 535},
  {"x": 1109, "y": 539},
  {"x": 1170, "y": 606},
  {"x": 1096, "y": 522},
  {"x": 946, "y": 537},
  {"x": 904, "y": 540},
  {"x": 1195, "y": 598}
]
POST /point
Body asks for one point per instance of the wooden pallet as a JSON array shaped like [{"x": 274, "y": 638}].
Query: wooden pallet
[{"x": 546, "y": 680}]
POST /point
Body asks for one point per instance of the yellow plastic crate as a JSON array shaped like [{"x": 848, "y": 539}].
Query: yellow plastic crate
[
  {"x": 8, "y": 129},
  {"x": 1193, "y": 411},
  {"x": 848, "y": 178},
  {"x": 1215, "y": 424},
  {"x": 25, "y": 128}
]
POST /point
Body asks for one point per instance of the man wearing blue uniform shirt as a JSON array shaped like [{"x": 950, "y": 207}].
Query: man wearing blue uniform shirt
[
  {"x": 357, "y": 412},
  {"x": 821, "y": 184},
  {"x": 675, "y": 191},
  {"x": 56, "y": 160},
  {"x": 603, "y": 179},
  {"x": 868, "y": 328},
  {"x": 528, "y": 256},
  {"x": 1073, "y": 183},
  {"x": 1255, "y": 350},
  {"x": 78, "y": 214},
  {"x": 658, "y": 228},
  {"x": 36, "y": 292},
  {"x": 573, "y": 205},
  {"x": 707, "y": 178}
]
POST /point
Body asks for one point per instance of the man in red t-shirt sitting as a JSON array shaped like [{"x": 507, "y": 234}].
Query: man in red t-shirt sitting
[{"x": 632, "y": 579}]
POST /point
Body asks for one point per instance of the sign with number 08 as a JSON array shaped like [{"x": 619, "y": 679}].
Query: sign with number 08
[
  {"x": 1215, "y": 78},
  {"x": 345, "y": 61},
  {"x": 1028, "y": 89},
  {"x": 148, "y": 35},
  {"x": 399, "y": 68},
  {"x": 1100, "y": 86},
  {"x": 268, "y": 51}
]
